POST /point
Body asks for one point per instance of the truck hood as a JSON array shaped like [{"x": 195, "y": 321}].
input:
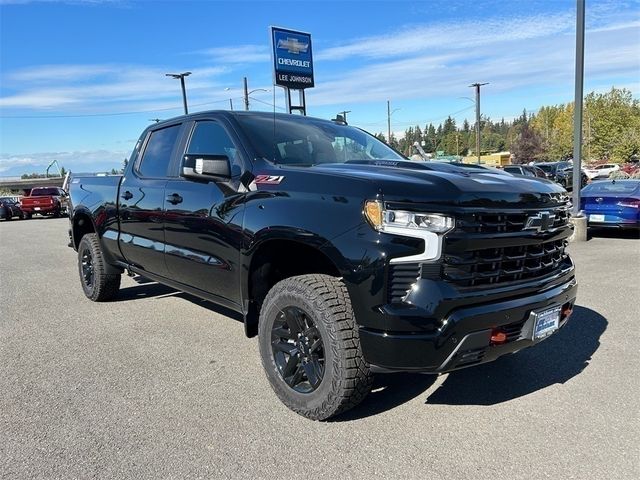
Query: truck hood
[{"x": 449, "y": 184}]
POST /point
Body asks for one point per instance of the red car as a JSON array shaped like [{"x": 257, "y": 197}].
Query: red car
[{"x": 45, "y": 201}]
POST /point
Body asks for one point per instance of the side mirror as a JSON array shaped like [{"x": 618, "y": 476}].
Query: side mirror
[{"x": 205, "y": 167}]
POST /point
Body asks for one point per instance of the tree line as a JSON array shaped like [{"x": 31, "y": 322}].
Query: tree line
[{"x": 611, "y": 131}]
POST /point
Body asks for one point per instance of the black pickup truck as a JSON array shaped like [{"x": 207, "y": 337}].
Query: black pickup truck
[{"x": 342, "y": 256}]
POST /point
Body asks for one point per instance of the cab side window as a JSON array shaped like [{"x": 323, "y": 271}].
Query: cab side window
[
  {"x": 157, "y": 155},
  {"x": 210, "y": 138}
]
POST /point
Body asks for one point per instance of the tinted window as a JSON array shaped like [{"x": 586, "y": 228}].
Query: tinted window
[
  {"x": 515, "y": 170},
  {"x": 41, "y": 192},
  {"x": 157, "y": 155},
  {"x": 210, "y": 138},
  {"x": 626, "y": 187},
  {"x": 304, "y": 141}
]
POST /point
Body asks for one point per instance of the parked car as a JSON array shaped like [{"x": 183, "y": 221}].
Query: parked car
[
  {"x": 45, "y": 201},
  {"x": 340, "y": 254},
  {"x": 562, "y": 173},
  {"x": 601, "y": 171},
  {"x": 614, "y": 203},
  {"x": 525, "y": 170},
  {"x": 10, "y": 207}
]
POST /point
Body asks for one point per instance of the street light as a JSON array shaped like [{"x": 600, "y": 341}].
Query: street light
[
  {"x": 184, "y": 92},
  {"x": 230, "y": 99},
  {"x": 247, "y": 93},
  {"x": 477, "y": 87}
]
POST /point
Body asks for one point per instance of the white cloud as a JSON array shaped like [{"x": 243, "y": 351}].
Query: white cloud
[
  {"x": 519, "y": 63},
  {"x": 100, "y": 87},
  {"x": 238, "y": 54},
  {"x": 78, "y": 161},
  {"x": 460, "y": 35}
]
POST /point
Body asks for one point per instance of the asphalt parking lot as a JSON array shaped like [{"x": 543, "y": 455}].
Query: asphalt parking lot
[{"x": 159, "y": 384}]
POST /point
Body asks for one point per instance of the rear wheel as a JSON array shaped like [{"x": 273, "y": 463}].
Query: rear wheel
[
  {"x": 310, "y": 347},
  {"x": 96, "y": 283}
]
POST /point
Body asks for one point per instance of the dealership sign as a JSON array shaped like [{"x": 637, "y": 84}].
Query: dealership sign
[{"x": 292, "y": 59}]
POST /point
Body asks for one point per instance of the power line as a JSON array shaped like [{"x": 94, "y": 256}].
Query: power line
[{"x": 267, "y": 103}]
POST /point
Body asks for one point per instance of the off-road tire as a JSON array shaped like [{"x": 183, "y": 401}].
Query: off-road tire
[
  {"x": 102, "y": 286},
  {"x": 347, "y": 379}
]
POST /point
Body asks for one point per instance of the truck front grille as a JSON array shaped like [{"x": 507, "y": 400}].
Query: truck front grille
[
  {"x": 506, "y": 222},
  {"x": 492, "y": 266}
]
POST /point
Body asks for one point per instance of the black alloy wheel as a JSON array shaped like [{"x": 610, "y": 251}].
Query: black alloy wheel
[
  {"x": 86, "y": 261},
  {"x": 298, "y": 349},
  {"x": 310, "y": 346},
  {"x": 99, "y": 283}
]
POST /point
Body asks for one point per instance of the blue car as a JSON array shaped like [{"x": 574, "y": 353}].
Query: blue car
[{"x": 612, "y": 203}]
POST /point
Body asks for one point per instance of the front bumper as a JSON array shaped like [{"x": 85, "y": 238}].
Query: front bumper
[{"x": 463, "y": 339}]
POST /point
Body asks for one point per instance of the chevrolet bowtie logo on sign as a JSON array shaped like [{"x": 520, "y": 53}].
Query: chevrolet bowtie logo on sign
[
  {"x": 541, "y": 222},
  {"x": 292, "y": 45},
  {"x": 292, "y": 58}
]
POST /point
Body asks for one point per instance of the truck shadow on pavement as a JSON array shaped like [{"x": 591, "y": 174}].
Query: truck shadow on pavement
[
  {"x": 149, "y": 289},
  {"x": 556, "y": 360}
]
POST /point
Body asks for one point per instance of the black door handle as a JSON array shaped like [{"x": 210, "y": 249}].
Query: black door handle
[
  {"x": 127, "y": 195},
  {"x": 174, "y": 199}
]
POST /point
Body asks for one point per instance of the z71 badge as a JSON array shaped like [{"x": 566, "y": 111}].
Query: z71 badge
[{"x": 268, "y": 179}]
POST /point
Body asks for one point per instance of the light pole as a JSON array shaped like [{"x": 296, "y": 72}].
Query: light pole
[
  {"x": 389, "y": 113},
  {"x": 577, "y": 112},
  {"x": 477, "y": 87},
  {"x": 184, "y": 92}
]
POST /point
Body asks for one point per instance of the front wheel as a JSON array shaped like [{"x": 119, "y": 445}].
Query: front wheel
[
  {"x": 96, "y": 283},
  {"x": 310, "y": 347}
]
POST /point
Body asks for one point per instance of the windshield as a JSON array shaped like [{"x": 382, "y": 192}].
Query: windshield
[
  {"x": 40, "y": 192},
  {"x": 547, "y": 168},
  {"x": 600, "y": 188},
  {"x": 303, "y": 141}
]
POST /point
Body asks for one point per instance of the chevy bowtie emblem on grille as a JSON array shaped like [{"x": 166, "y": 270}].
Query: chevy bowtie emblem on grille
[
  {"x": 542, "y": 222},
  {"x": 292, "y": 45}
]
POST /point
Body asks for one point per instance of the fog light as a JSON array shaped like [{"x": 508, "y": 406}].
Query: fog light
[{"x": 498, "y": 337}]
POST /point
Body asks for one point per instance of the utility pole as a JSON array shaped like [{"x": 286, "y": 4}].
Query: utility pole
[
  {"x": 246, "y": 95},
  {"x": 231, "y": 103},
  {"x": 344, "y": 114},
  {"x": 477, "y": 87},
  {"x": 388, "y": 123},
  {"x": 184, "y": 91},
  {"x": 389, "y": 113}
]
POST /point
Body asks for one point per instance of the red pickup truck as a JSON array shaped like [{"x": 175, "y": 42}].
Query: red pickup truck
[{"x": 45, "y": 201}]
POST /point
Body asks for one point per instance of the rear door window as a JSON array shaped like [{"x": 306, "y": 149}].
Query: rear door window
[{"x": 157, "y": 154}]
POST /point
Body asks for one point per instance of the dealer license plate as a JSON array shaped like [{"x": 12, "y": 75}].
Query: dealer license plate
[
  {"x": 547, "y": 322},
  {"x": 596, "y": 218},
  {"x": 36, "y": 208}
]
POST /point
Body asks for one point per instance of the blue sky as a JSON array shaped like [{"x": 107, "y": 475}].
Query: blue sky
[{"x": 71, "y": 72}]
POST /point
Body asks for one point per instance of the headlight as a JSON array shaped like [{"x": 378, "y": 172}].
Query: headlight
[
  {"x": 391, "y": 220},
  {"x": 425, "y": 226}
]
